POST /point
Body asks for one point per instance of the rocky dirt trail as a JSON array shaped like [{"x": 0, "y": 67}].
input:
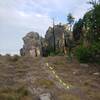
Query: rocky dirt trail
[
  {"x": 83, "y": 78},
  {"x": 67, "y": 87},
  {"x": 51, "y": 76},
  {"x": 36, "y": 89}
]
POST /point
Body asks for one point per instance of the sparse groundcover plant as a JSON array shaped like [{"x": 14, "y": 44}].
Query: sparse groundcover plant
[
  {"x": 8, "y": 57},
  {"x": 23, "y": 91},
  {"x": 69, "y": 97},
  {"x": 15, "y": 58},
  {"x": 14, "y": 94},
  {"x": 8, "y": 97},
  {"x": 8, "y": 94},
  {"x": 44, "y": 83},
  {"x": 56, "y": 53}
]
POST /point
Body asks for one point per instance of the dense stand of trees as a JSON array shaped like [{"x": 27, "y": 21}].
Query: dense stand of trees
[
  {"x": 87, "y": 32},
  {"x": 89, "y": 26}
]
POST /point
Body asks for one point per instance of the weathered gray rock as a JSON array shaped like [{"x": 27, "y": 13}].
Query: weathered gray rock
[
  {"x": 96, "y": 73},
  {"x": 84, "y": 65},
  {"x": 45, "y": 96},
  {"x": 31, "y": 45},
  {"x": 59, "y": 32},
  {"x": 34, "y": 47}
]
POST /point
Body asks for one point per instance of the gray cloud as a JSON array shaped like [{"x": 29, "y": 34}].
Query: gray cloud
[{"x": 17, "y": 17}]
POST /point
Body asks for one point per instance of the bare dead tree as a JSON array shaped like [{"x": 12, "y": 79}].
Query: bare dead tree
[{"x": 54, "y": 44}]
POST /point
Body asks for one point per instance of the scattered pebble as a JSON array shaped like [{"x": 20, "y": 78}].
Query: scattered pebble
[
  {"x": 84, "y": 65},
  {"x": 96, "y": 73},
  {"x": 45, "y": 96}
]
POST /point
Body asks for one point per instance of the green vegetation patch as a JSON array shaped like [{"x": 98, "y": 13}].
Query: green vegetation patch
[
  {"x": 44, "y": 83},
  {"x": 69, "y": 97},
  {"x": 90, "y": 54},
  {"x": 14, "y": 94}
]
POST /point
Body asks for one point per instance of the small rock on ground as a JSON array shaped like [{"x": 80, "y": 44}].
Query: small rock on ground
[{"x": 45, "y": 96}]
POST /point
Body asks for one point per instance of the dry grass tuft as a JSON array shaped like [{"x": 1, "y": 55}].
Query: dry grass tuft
[
  {"x": 44, "y": 83},
  {"x": 18, "y": 94}
]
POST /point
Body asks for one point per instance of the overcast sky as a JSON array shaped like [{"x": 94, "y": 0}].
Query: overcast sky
[{"x": 18, "y": 17}]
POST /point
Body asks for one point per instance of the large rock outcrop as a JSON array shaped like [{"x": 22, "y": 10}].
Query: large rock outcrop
[
  {"x": 32, "y": 45},
  {"x": 59, "y": 31}
]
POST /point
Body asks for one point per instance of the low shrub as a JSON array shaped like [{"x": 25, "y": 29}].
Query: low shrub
[
  {"x": 13, "y": 58},
  {"x": 23, "y": 91},
  {"x": 44, "y": 83},
  {"x": 8, "y": 57},
  {"x": 56, "y": 53},
  {"x": 95, "y": 52},
  {"x": 90, "y": 54},
  {"x": 83, "y": 54}
]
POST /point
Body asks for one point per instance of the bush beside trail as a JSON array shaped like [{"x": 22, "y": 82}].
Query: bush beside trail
[{"x": 89, "y": 54}]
